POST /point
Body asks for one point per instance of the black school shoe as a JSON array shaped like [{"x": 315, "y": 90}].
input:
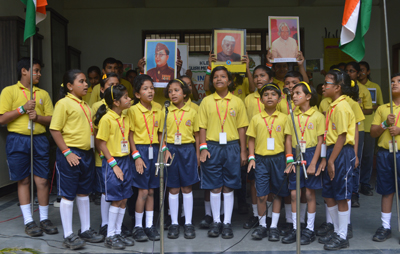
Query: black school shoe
[
  {"x": 324, "y": 229},
  {"x": 152, "y": 233},
  {"x": 349, "y": 231},
  {"x": 215, "y": 229},
  {"x": 354, "y": 201},
  {"x": 167, "y": 222},
  {"x": 307, "y": 236},
  {"x": 327, "y": 238},
  {"x": 382, "y": 234},
  {"x": 139, "y": 235},
  {"x": 285, "y": 229},
  {"x": 73, "y": 242},
  {"x": 337, "y": 243},
  {"x": 365, "y": 190},
  {"x": 251, "y": 222},
  {"x": 189, "y": 231},
  {"x": 48, "y": 227},
  {"x": 273, "y": 235},
  {"x": 103, "y": 230},
  {"x": 173, "y": 231},
  {"x": 125, "y": 240},
  {"x": 227, "y": 232},
  {"x": 205, "y": 223},
  {"x": 290, "y": 237},
  {"x": 32, "y": 229},
  {"x": 113, "y": 242},
  {"x": 91, "y": 236},
  {"x": 259, "y": 233}
]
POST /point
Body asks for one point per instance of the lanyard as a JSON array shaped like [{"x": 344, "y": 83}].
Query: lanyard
[
  {"x": 122, "y": 128},
  {"x": 305, "y": 126},
  {"x": 327, "y": 120},
  {"x": 259, "y": 107},
  {"x": 226, "y": 113},
  {"x": 34, "y": 95},
  {"x": 176, "y": 121},
  {"x": 147, "y": 127},
  {"x": 397, "y": 119},
  {"x": 89, "y": 119},
  {"x": 272, "y": 126},
  {"x": 288, "y": 109}
]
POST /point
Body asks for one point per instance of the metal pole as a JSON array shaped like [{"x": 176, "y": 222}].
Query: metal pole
[
  {"x": 391, "y": 112},
  {"x": 30, "y": 121}
]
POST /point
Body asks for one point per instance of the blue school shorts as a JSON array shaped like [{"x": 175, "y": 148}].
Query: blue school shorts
[
  {"x": 223, "y": 166},
  {"x": 313, "y": 182},
  {"x": 148, "y": 179},
  {"x": 183, "y": 171},
  {"x": 340, "y": 187},
  {"x": 385, "y": 172},
  {"x": 270, "y": 175},
  {"x": 18, "y": 150},
  {"x": 116, "y": 189},
  {"x": 77, "y": 179},
  {"x": 98, "y": 185}
]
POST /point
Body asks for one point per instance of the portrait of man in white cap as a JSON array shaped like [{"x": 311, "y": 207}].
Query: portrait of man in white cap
[{"x": 228, "y": 48}]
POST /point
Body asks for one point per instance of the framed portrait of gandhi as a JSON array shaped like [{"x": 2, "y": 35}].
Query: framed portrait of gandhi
[
  {"x": 284, "y": 38},
  {"x": 161, "y": 56},
  {"x": 229, "y": 45}
]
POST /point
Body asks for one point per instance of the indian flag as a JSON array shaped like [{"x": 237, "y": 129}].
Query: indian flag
[
  {"x": 35, "y": 12},
  {"x": 355, "y": 24}
]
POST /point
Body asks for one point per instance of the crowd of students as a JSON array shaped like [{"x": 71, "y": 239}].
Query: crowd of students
[{"x": 108, "y": 137}]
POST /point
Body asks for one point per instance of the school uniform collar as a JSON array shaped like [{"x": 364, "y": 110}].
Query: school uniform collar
[
  {"x": 189, "y": 101},
  {"x": 264, "y": 114},
  {"x": 228, "y": 96},
  {"x": 309, "y": 112},
  {"x": 336, "y": 102},
  {"x": 114, "y": 115},
  {"x": 73, "y": 97},
  {"x": 185, "y": 107},
  {"x": 21, "y": 86},
  {"x": 143, "y": 109},
  {"x": 257, "y": 94},
  {"x": 394, "y": 105}
]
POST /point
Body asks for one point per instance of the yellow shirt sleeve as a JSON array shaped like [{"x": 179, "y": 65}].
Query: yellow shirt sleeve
[
  {"x": 203, "y": 123},
  {"x": 242, "y": 120},
  {"x": 342, "y": 121},
  {"x": 196, "y": 123},
  {"x": 104, "y": 129},
  {"x": 289, "y": 126},
  {"x": 378, "y": 119},
  {"x": 6, "y": 100},
  {"x": 60, "y": 117},
  {"x": 252, "y": 129}
]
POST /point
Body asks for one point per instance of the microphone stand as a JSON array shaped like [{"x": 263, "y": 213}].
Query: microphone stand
[{"x": 297, "y": 163}]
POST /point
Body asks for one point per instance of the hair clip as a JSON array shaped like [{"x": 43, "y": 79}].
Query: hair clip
[
  {"x": 62, "y": 85},
  {"x": 104, "y": 76},
  {"x": 112, "y": 96},
  {"x": 353, "y": 84}
]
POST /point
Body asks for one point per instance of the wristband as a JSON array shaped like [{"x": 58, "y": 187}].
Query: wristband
[
  {"x": 141, "y": 73},
  {"x": 203, "y": 146},
  {"x": 136, "y": 155},
  {"x": 209, "y": 68},
  {"x": 289, "y": 158},
  {"x": 66, "y": 152},
  {"x": 251, "y": 157},
  {"x": 101, "y": 156},
  {"x": 112, "y": 162},
  {"x": 269, "y": 65},
  {"x": 21, "y": 110},
  {"x": 384, "y": 125},
  {"x": 164, "y": 148},
  {"x": 208, "y": 72}
]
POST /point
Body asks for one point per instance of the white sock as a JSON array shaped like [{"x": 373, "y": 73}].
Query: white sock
[
  {"x": 83, "y": 204},
  {"x": 215, "y": 200},
  {"x": 385, "y": 217},
  {"x": 27, "y": 213},
  {"x": 343, "y": 222},
  {"x": 207, "y": 206},
  {"x": 303, "y": 210},
  {"x": 44, "y": 212},
  {"x": 275, "y": 219},
  {"x": 228, "y": 206},
  {"x": 112, "y": 220},
  {"x": 188, "y": 207},
  {"x": 174, "y": 207},
  {"x": 120, "y": 219},
  {"x": 328, "y": 216},
  {"x": 105, "y": 207},
  {"x": 288, "y": 213},
  {"x": 222, "y": 211},
  {"x": 269, "y": 209},
  {"x": 333, "y": 211},
  {"x": 310, "y": 221},
  {"x": 66, "y": 211},
  {"x": 149, "y": 219},
  {"x": 262, "y": 220},
  {"x": 294, "y": 219},
  {"x": 138, "y": 219},
  {"x": 255, "y": 210},
  {"x": 349, "y": 206}
]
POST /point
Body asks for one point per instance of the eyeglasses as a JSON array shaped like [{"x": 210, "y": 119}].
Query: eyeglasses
[
  {"x": 159, "y": 55},
  {"x": 328, "y": 83}
]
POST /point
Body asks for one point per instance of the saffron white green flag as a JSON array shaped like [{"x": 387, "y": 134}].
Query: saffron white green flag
[{"x": 35, "y": 12}]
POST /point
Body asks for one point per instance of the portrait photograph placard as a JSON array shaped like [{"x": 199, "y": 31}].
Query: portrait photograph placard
[
  {"x": 284, "y": 38},
  {"x": 183, "y": 54},
  {"x": 161, "y": 57},
  {"x": 229, "y": 45},
  {"x": 373, "y": 94}
]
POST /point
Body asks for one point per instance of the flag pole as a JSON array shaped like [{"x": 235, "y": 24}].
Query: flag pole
[
  {"x": 391, "y": 112},
  {"x": 31, "y": 121}
]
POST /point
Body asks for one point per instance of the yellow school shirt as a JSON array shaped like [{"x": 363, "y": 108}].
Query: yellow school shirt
[
  {"x": 236, "y": 117},
  {"x": 95, "y": 107},
  {"x": 379, "y": 101},
  {"x": 253, "y": 105},
  {"x": 364, "y": 101},
  {"x": 187, "y": 127},
  {"x": 358, "y": 114},
  {"x": 315, "y": 126},
  {"x": 341, "y": 121},
  {"x": 71, "y": 121},
  {"x": 283, "y": 105},
  {"x": 381, "y": 115},
  {"x": 88, "y": 94},
  {"x": 95, "y": 96},
  {"x": 242, "y": 90},
  {"x": 13, "y": 97},
  {"x": 128, "y": 86},
  {"x": 110, "y": 131},
  {"x": 258, "y": 130},
  {"x": 280, "y": 83},
  {"x": 193, "y": 105},
  {"x": 138, "y": 123}
]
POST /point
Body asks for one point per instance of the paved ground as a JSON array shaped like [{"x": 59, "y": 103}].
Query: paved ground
[{"x": 365, "y": 221}]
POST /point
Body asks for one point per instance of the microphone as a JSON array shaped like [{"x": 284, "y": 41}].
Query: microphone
[
  {"x": 166, "y": 105},
  {"x": 286, "y": 91}
]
